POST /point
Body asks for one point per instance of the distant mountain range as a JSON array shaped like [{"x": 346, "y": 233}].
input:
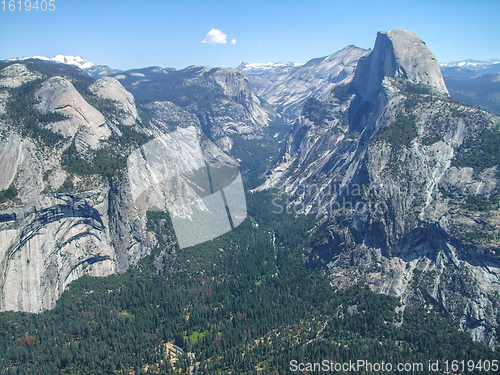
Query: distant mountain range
[
  {"x": 287, "y": 85},
  {"x": 259, "y": 68},
  {"x": 70, "y": 60},
  {"x": 96, "y": 71},
  {"x": 469, "y": 68},
  {"x": 473, "y": 82}
]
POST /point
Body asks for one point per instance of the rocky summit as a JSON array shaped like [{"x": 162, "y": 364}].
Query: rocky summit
[{"x": 397, "y": 54}]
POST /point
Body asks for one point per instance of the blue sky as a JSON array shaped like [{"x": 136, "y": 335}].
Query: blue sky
[{"x": 130, "y": 34}]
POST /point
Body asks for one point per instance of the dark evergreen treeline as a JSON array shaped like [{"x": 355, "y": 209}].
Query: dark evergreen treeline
[
  {"x": 108, "y": 161},
  {"x": 401, "y": 133},
  {"x": 186, "y": 88},
  {"x": 481, "y": 151},
  {"x": 8, "y": 194},
  {"x": 79, "y": 78},
  {"x": 239, "y": 303},
  {"x": 29, "y": 121}
]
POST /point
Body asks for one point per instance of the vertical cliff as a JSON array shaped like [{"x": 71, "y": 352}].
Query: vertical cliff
[
  {"x": 67, "y": 204},
  {"x": 404, "y": 184}
]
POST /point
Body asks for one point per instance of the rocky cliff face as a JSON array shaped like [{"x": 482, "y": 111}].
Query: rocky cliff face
[
  {"x": 58, "y": 95},
  {"x": 17, "y": 74},
  {"x": 58, "y": 227},
  {"x": 237, "y": 89},
  {"x": 111, "y": 89},
  {"x": 404, "y": 184},
  {"x": 220, "y": 99},
  {"x": 50, "y": 243},
  {"x": 398, "y": 54},
  {"x": 239, "y": 112},
  {"x": 314, "y": 79},
  {"x": 263, "y": 75},
  {"x": 71, "y": 211}
]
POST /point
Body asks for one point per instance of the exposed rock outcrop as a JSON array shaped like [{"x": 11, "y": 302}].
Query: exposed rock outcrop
[
  {"x": 11, "y": 155},
  {"x": 397, "y": 54},
  {"x": 64, "y": 222},
  {"x": 110, "y": 88},
  {"x": 221, "y": 99},
  {"x": 168, "y": 116},
  {"x": 57, "y": 94},
  {"x": 238, "y": 89},
  {"x": 388, "y": 173},
  {"x": 16, "y": 74},
  {"x": 315, "y": 79},
  {"x": 47, "y": 245}
]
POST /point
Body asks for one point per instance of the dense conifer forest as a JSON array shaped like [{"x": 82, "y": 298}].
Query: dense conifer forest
[{"x": 240, "y": 304}]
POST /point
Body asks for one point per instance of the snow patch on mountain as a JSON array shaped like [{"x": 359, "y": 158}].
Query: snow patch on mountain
[
  {"x": 70, "y": 60},
  {"x": 258, "y": 68},
  {"x": 74, "y": 60},
  {"x": 471, "y": 64}
]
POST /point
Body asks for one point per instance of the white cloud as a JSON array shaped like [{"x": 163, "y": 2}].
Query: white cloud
[
  {"x": 215, "y": 36},
  {"x": 233, "y": 41}
]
